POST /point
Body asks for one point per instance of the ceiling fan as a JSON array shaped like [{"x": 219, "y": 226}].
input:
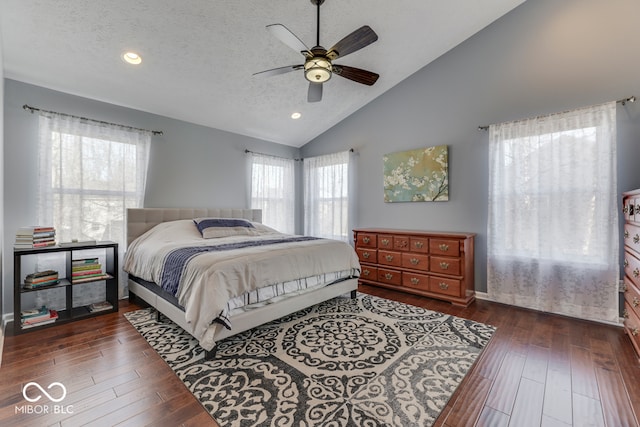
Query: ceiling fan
[{"x": 318, "y": 65}]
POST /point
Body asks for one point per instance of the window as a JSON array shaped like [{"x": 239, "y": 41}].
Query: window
[
  {"x": 273, "y": 191},
  {"x": 90, "y": 174},
  {"x": 326, "y": 196},
  {"x": 553, "y": 221}
]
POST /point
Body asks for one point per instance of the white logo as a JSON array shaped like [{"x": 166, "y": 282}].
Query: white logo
[{"x": 43, "y": 391}]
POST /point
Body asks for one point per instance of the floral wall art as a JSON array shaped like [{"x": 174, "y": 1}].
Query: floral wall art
[{"x": 420, "y": 175}]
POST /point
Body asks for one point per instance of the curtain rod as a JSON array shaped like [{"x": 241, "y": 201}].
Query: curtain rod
[
  {"x": 624, "y": 101},
  {"x": 34, "y": 109},
  {"x": 351, "y": 150}
]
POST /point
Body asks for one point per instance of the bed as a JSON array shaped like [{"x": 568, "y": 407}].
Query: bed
[{"x": 204, "y": 269}]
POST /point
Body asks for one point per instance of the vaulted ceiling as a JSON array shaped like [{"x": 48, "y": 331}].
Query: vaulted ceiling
[{"x": 199, "y": 55}]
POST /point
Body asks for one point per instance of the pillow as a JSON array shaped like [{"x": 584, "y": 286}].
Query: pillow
[{"x": 212, "y": 228}]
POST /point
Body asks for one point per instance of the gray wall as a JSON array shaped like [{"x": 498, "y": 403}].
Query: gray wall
[
  {"x": 190, "y": 165},
  {"x": 2, "y": 311},
  {"x": 545, "y": 56}
]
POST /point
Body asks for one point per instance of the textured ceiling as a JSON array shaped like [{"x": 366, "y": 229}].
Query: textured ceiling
[{"x": 199, "y": 55}]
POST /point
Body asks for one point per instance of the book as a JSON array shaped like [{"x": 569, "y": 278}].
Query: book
[
  {"x": 87, "y": 272},
  {"x": 34, "y": 229},
  {"x": 84, "y": 261},
  {"x": 77, "y": 243},
  {"x": 43, "y": 273},
  {"x": 85, "y": 267},
  {"x": 32, "y": 312},
  {"x": 103, "y": 276},
  {"x": 45, "y": 316},
  {"x": 41, "y": 284},
  {"x": 100, "y": 306},
  {"x": 33, "y": 325}
]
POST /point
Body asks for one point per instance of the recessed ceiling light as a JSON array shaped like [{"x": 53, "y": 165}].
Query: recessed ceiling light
[
  {"x": 296, "y": 116},
  {"x": 132, "y": 58}
]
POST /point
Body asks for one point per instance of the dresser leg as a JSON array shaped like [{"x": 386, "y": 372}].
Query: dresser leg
[{"x": 354, "y": 294}]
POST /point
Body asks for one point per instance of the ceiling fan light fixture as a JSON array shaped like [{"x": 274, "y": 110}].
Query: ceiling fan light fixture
[
  {"x": 132, "y": 58},
  {"x": 317, "y": 70}
]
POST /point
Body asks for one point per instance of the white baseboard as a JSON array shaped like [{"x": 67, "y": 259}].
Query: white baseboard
[{"x": 485, "y": 296}]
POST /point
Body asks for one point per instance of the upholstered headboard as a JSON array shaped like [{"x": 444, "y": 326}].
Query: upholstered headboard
[{"x": 140, "y": 220}]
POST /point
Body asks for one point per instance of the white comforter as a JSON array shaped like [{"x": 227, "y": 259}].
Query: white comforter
[{"x": 210, "y": 279}]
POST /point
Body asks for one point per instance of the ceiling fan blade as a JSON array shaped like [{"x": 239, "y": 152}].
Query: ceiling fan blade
[
  {"x": 356, "y": 74},
  {"x": 315, "y": 92},
  {"x": 358, "y": 39},
  {"x": 279, "y": 70},
  {"x": 285, "y": 35}
]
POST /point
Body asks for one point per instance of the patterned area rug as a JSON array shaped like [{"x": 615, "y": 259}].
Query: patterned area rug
[{"x": 362, "y": 362}]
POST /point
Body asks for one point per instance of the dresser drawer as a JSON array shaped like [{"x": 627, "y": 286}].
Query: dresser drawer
[
  {"x": 444, "y": 286},
  {"x": 415, "y": 281},
  {"x": 367, "y": 255},
  {"x": 415, "y": 261},
  {"x": 385, "y": 241},
  {"x": 390, "y": 258},
  {"x": 445, "y": 265},
  {"x": 369, "y": 273},
  {"x": 419, "y": 244},
  {"x": 632, "y": 267},
  {"x": 392, "y": 277},
  {"x": 444, "y": 247},
  {"x": 366, "y": 240},
  {"x": 632, "y": 326},
  {"x": 632, "y": 237},
  {"x": 632, "y": 296}
]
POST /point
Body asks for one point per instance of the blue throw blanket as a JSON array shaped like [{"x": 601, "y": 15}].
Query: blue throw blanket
[{"x": 177, "y": 259}]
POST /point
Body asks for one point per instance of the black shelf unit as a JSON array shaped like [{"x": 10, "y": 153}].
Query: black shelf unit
[{"x": 70, "y": 253}]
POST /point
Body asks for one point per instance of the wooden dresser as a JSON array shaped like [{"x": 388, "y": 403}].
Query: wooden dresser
[
  {"x": 432, "y": 264},
  {"x": 631, "y": 209}
]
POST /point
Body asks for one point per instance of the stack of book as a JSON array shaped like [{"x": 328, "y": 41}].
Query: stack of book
[
  {"x": 37, "y": 317},
  {"x": 100, "y": 306},
  {"x": 41, "y": 279},
  {"x": 35, "y": 236},
  {"x": 87, "y": 270}
]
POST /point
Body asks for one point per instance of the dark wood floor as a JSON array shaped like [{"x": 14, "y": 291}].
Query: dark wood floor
[{"x": 538, "y": 370}]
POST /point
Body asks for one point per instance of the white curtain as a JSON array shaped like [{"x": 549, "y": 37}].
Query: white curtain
[
  {"x": 326, "y": 196},
  {"x": 273, "y": 190},
  {"x": 89, "y": 174},
  {"x": 553, "y": 218}
]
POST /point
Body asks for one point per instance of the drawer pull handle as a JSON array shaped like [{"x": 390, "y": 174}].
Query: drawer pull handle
[
  {"x": 443, "y": 286},
  {"x": 625, "y": 314},
  {"x": 626, "y": 263},
  {"x": 388, "y": 276},
  {"x": 402, "y": 243},
  {"x": 636, "y": 239},
  {"x": 389, "y": 257},
  {"x": 445, "y": 266},
  {"x": 636, "y": 272},
  {"x": 366, "y": 255},
  {"x": 636, "y": 302},
  {"x": 418, "y": 245},
  {"x": 414, "y": 261},
  {"x": 366, "y": 240},
  {"x": 637, "y": 208},
  {"x": 385, "y": 242},
  {"x": 634, "y": 332},
  {"x": 625, "y": 209},
  {"x": 630, "y": 210},
  {"x": 366, "y": 272},
  {"x": 444, "y": 247},
  {"x": 626, "y": 234},
  {"x": 415, "y": 280}
]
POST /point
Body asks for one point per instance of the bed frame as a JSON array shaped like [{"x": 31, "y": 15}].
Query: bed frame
[{"x": 140, "y": 220}]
